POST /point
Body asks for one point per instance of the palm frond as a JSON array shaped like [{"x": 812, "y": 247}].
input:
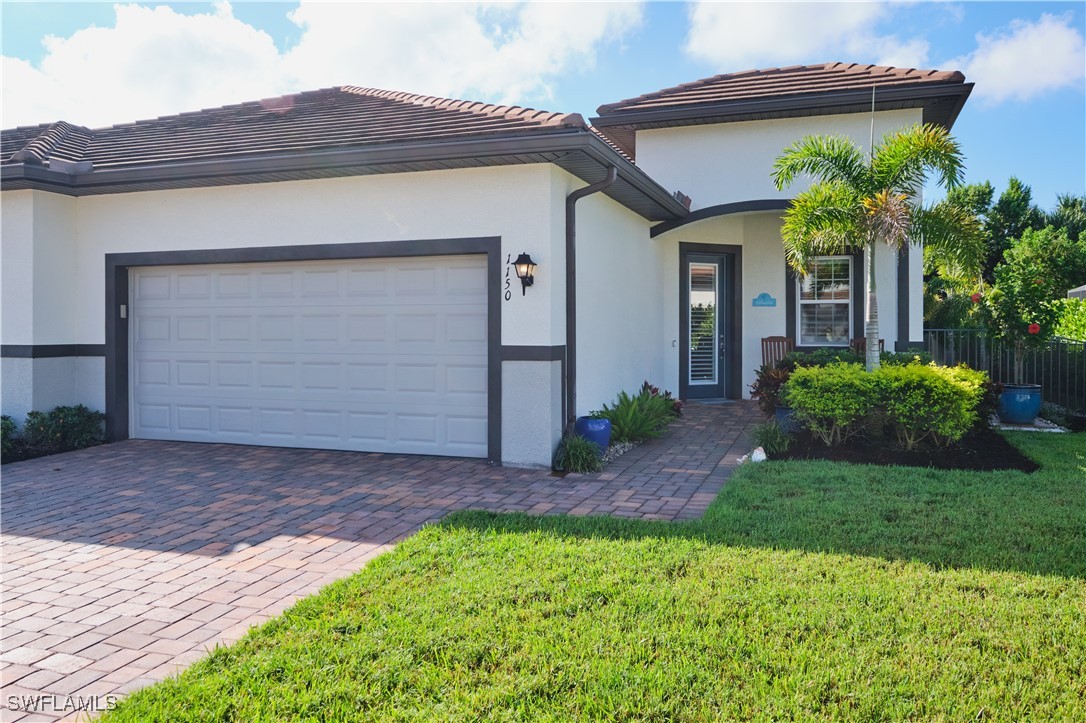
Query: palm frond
[
  {"x": 902, "y": 160},
  {"x": 824, "y": 158},
  {"x": 953, "y": 238},
  {"x": 826, "y": 219},
  {"x": 888, "y": 216}
]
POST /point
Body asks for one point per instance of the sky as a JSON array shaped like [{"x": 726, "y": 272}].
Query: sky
[{"x": 98, "y": 64}]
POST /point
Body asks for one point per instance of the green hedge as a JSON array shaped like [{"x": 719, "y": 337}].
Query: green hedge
[
  {"x": 61, "y": 429},
  {"x": 916, "y": 402}
]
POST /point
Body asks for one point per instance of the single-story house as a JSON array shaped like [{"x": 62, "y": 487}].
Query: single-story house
[{"x": 336, "y": 269}]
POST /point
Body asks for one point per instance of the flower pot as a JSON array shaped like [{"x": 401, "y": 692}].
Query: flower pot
[
  {"x": 1019, "y": 403},
  {"x": 597, "y": 431},
  {"x": 786, "y": 419}
]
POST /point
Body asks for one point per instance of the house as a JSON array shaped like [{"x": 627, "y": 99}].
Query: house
[{"x": 335, "y": 269}]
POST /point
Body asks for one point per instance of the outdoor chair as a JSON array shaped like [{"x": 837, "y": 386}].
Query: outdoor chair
[
  {"x": 774, "y": 348},
  {"x": 859, "y": 345}
]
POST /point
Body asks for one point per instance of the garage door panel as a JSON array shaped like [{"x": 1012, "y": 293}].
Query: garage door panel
[{"x": 377, "y": 355}]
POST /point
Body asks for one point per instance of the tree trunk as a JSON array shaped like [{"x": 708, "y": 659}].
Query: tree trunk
[{"x": 871, "y": 313}]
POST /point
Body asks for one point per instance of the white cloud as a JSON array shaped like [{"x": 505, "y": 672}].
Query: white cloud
[
  {"x": 738, "y": 36},
  {"x": 157, "y": 61},
  {"x": 1025, "y": 60}
]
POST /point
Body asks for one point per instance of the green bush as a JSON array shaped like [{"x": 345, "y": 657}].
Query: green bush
[
  {"x": 900, "y": 358},
  {"x": 577, "y": 454},
  {"x": 820, "y": 358},
  {"x": 771, "y": 438},
  {"x": 931, "y": 401},
  {"x": 7, "y": 436},
  {"x": 831, "y": 401},
  {"x": 1072, "y": 321},
  {"x": 635, "y": 418},
  {"x": 62, "y": 429}
]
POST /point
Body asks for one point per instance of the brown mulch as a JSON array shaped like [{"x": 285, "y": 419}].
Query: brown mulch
[{"x": 982, "y": 450}]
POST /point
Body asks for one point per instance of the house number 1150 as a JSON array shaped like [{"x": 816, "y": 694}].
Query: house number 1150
[{"x": 508, "y": 279}]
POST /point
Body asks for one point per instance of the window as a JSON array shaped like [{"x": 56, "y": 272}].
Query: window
[{"x": 825, "y": 302}]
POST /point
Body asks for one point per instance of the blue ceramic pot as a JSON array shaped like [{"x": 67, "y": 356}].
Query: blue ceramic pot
[
  {"x": 1020, "y": 403},
  {"x": 597, "y": 431},
  {"x": 786, "y": 420}
]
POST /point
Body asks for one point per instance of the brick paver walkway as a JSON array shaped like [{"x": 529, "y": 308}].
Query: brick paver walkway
[{"x": 124, "y": 563}]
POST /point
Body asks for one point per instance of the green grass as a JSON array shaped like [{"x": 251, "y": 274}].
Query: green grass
[{"x": 809, "y": 591}]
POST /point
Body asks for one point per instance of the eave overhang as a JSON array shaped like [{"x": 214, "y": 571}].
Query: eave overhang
[{"x": 577, "y": 150}]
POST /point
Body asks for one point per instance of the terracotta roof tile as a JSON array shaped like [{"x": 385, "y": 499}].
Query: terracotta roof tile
[
  {"x": 780, "y": 82},
  {"x": 332, "y": 118}
]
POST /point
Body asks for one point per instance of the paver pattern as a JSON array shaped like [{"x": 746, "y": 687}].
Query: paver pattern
[{"x": 124, "y": 563}]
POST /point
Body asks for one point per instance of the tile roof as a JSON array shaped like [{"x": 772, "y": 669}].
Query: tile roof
[
  {"x": 782, "y": 82},
  {"x": 325, "y": 119},
  {"x": 801, "y": 90}
]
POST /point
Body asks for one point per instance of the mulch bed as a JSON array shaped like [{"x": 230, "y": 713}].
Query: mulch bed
[{"x": 983, "y": 450}]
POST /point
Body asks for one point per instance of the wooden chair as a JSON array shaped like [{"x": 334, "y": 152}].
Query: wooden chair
[
  {"x": 774, "y": 348},
  {"x": 859, "y": 345}
]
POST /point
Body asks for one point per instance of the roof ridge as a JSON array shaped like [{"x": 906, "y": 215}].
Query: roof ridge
[
  {"x": 516, "y": 112},
  {"x": 39, "y": 148},
  {"x": 853, "y": 69}
]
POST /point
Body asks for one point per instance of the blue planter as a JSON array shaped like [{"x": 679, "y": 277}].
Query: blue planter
[
  {"x": 786, "y": 420},
  {"x": 1019, "y": 403},
  {"x": 597, "y": 431}
]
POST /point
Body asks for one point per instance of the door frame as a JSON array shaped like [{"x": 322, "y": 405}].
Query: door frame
[
  {"x": 732, "y": 318},
  {"x": 117, "y": 294}
]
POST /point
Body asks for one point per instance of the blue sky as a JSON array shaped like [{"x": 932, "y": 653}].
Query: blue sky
[{"x": 100, "y": 63}]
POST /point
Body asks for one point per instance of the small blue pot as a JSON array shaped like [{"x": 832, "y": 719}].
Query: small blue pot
[
  {"x": 1020, "y": 403},
  {"x": 786, "y": 420},
  {"x": 597, "y": 431}
]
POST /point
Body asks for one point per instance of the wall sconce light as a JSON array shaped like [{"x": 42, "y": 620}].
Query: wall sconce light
[{"x": 524, "y": 266}]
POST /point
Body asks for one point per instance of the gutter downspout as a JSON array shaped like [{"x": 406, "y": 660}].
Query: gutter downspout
[{"x": 570, "y": 402}]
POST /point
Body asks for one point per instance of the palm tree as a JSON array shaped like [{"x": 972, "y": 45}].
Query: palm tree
[{"x": 858, "y": 200}]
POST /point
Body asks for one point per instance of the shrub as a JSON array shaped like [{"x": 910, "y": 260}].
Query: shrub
[
  {"x": 7, "y": 436},
  {"x": 819, "y": 358},
  {"x": 676, "y": 404},
  {"x": 577, "y": 454},
  {"x": 1072, "y": 321},
  {"x": 929, "y": 401},
  {"x": 900, "y": 358},
  {"x": 770, "y": 437},
  {"x": 639, "y": 417},
  {"x": 767, "y": 387},
  {"x": 831, "y": 401},
  {"x": 62, "y": 429}
]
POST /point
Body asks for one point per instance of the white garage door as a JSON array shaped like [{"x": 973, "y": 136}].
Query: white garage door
[{"x": 386, "y": 355}]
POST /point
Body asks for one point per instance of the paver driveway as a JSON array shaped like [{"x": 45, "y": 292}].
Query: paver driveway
[{"x": 126, "y": 562}]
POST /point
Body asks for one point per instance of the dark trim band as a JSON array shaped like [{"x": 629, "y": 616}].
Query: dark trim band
[
  {"x": 50, "y": 351},
  {"x": 534, "y": 353},
  {"x": 118, "y": 265},
  {"x": 723, "y": 209},
  {"x": 902, "y": 295}
]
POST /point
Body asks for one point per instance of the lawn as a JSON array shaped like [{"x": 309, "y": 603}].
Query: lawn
[{"x": 808, "y": 590}]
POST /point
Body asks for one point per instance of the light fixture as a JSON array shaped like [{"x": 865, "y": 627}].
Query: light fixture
[{"x": 524, "y": 266}]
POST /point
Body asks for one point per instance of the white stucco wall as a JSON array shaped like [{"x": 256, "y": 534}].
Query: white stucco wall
[
  {"x": 17, "y": 267},
  {"x": 621, "y": 337},
  {"x": 54, "y": 249},
  {"x": 729, "y": 162}
]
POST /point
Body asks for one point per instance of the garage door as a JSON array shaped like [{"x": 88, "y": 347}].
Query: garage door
[{"x": 385, "y": 355}]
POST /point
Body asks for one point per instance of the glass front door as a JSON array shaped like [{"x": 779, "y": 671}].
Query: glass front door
[{"x": 706, "y": 328}]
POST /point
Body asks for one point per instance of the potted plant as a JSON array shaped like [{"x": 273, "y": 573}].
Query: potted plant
[
  {"x": 1023, "y": 316},
  {"x": 767, "y": 389},
  {"x": 595, "y": 429}
]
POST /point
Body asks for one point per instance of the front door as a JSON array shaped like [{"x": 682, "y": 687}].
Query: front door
[{"x": 707, "y": 326}]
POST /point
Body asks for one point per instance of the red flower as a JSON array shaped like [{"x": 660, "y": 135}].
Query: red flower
[
  {"x": 1034, "y": 328},
  {"x": 975, "y": 297}
]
